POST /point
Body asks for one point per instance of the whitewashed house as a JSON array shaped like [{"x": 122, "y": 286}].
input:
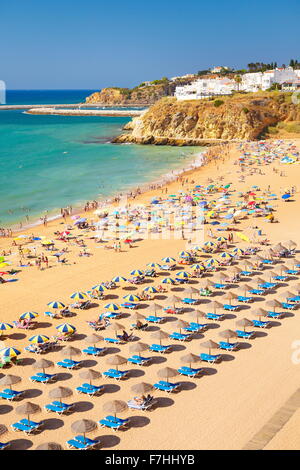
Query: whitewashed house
[
  {"x": 203, "y": 88},
  {"x": 252, "y": 82}
]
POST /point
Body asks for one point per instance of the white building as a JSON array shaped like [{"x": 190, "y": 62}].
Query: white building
[
  {"x": 218, "y": 69},
  {"x": 252, "y": 82},
  {"x": 203, "y": 88}
]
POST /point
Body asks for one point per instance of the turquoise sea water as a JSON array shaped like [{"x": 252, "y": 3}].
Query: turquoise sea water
[{"x": 48, "y": 162}]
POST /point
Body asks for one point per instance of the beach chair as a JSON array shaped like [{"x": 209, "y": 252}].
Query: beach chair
[
  {"x": 58, "y": 407},
  {"x": 261, "y": 324},
  {"x": 28, "y": 427},
  {"x": 228, "y": 346},
  {"x": 276, "y": 315},
  {"x": 214, "y": 316},
  {"x": 114, "y": 423},
  {"x": 189, "y": 301},
  {"x": 145, "y": 406},
  {"x": 93, "y": 351},
  {"x": 159, "y": 348},
  {"x": 292, "y": 272},
  {"x": 91, "y": 390},
  {"x": 200, "y": 326},
  {"x": 114, "y": 340},
  {"x": 180, "y": 336},
  {"x": 242, "y": 298},
  {"x": 11, "y": 395},
  {"x": 68, "y": 364},
  {"x": 51, "y": 315},
  {"x": 245, "y": 334},
  {"x": 231, "y": 308},
  {"x": 190, "y": 372},
  {"x": 82, "y": 443},
  {"x": 167, "y": 386},
  {"x": 129, "y": 305},
  {"x": 139, "y": 361},
  {"x": 288, "y": 306},
  {"x": 116, "y": 374},
  {"x": 153, "y": 319},
  {"x": 257, "y": 291},
  {"x": 4, "y": 446},
  {"x": 295, "y": 299},
  {"x": 245, "y": 273},
  {"x": 220, "y": 286},
  {"x": 40, "y": 377},
  {"x": 280, "y": 278},
  {"x": 211, "y": 358}
]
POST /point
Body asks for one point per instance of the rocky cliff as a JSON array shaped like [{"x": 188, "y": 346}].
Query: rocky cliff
[{"x": 240, "y": 117}]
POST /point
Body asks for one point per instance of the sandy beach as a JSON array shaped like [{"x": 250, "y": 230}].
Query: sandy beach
[{"x": 226, "y": 407}]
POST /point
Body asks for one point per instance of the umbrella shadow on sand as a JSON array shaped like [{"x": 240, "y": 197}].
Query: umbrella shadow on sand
[
  {"x": 88, "y": 363},
  {"x": 83, "y": 406},
  {"x": 20, "y": 444},
  {"x": 209, "y": 371},
  {"x": 138, "y": 421},
  {"x": 33, "y": 393},
  {"x": 52, "y": 423},
  {"x": 111, "y": 388},
  {"x": 136, "y": 373},
  {"x": 158, "y": 360},
  {"x": 186, "y": 386},
  {"x": 108, "y": 441},
  {"x": 164, "y": 402},
  {"x": 227, "y": 357},
  {"x": 4, "y": 409},
  {"x": 17, "y": 336},
  {"x": 112, "y": 351}
]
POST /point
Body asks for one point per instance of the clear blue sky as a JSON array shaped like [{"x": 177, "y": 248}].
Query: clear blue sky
[{"x": 91, "y": 44}]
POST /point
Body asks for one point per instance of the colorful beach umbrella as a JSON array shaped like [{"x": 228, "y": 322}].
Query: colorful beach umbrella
[
  {"x": 79, "y": 296},
  {"x": 28, "y": 315},
  {"x": 153, "y": 265},
  {"x": 184, "y": 254},
  {"x": 225, "y": 255},
  {"x": 112, "y": 307},
  {"x": 183, "y": 275},
  {"x": 39, "y": 339},
  {"x": 168, "y": 260},
  {"x": 66, "y": 328},
  {"x": 9, "y": 352},
  {"x": 198, "y": 267},
  {"x": 150, "y": 289},
  {"x": 99, "y": 288},
  {"x": 168, "y": 280},
  {"x": 56, "y": 304},
  {"x": 137, "y": 272},
  {"x": 221, "y": 239},
  {"x": 119, "y": 279},
  {"x": 5, "y": 326},
  {"x": 131, "y": 298}
]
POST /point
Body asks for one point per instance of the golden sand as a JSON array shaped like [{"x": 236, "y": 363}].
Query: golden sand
[{"x": 222, "y": 410}]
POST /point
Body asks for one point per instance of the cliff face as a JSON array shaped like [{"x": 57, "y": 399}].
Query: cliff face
[
  {"x": 146, "y": 95},
  {"x": 241, "y": 117}
]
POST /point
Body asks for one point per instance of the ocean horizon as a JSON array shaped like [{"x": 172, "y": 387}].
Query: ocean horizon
[{"x": 49, "y": 162}]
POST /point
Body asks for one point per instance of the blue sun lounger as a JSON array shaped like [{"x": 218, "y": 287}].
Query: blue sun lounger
[
  {"x": 139, "y": 360},
  {"x": 280, "y": 278},
  {"x": 159, "y": 348},
  {"x": 129, "y": 305},
  {"x": 214, "y": 316},
  {"x": 220, "y": 286},
  {"x": 193, "y": 329},
  {"x": 42, "y": 378},
  {"x": 82, "y": 443},
  {"x": 293, "y": 272},
  {"x": 167, "y": 386},
  {"x": 114, "y": 423},
  {"x": 228, "y": 346},
  {"x": 200, "y": 326},
  {"x": 257, "y": 291},
  {"x": 69, "y": 364},
  {"x": 246, "y": 273},
  {"x": 114, "y": 340},
  {"x": 295, "y": 299},
  {"x": 261, "y": 324},
  {"x": 58, "y": 407},
  {"x": 190, "y": 301},
  {"x": 211, "y": 358},
  {"x": 268, "y": 285},
  {"x": 245, "y": 334},
  {"x": 242, "y": 298},
  {"x": 190, "y": 372},
  {"x": 115, "y": 374},
  {"x": 26, "y": 426},
  {"x": 154, "y": 319},
  {"x": 93, "y": 351},
  {"x": 267, "y": 261},
  {"x": 9, "y": 394},
  {"x": 180, "y": 336},
  {"x": 288, "y": 306},
  {"x": 231, "y": 308},
  {"x": 4, "y": 446},
  {"x": 275, "y": 314},
  {"x": 90, "y": 390}
]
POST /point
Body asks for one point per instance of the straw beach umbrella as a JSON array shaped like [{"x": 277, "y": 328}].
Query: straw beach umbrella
[
  {"x": 90, "y": 374},
  {"x": 28, "y": 408},
  {"x": 83, "y": 426},
  {"x": 286, "y": 295},
  {"x": 60, "y": 392},
  {"x": 173, "y": 299},
  {"x": 93, "y": 339},
  {"x": 116, "y": 360},
  {"x": 70, "y": 351},
  {"x": 115, "y": 406},
  {"x": 160, "y": 335},
  {"x": 138, "y": 347},
  {"x": 227, "y": 334},
  {"x": 244, "y": 322},
  {"x": 42, "y": 364},
  {"x": 230, "y": 296},
  {"x": 260, "y": 312},
  {"x": 209, "y": 345},
  {"x": 116, "y": 327},
  {"x": 273, "y": 304},
  {"x": 141, "y": 388},
  {"x": 154, "y": 308},
  {"x": 181, "y": 324},
  {"x": 10, "y": 380},
  {"x": 167, "y": 372},
  {"x": 190, "y": 359},
  {"x": 49, "y": 446},
  {"x": 197, "y": 314},
  {"x": 215, "y": 305}
]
